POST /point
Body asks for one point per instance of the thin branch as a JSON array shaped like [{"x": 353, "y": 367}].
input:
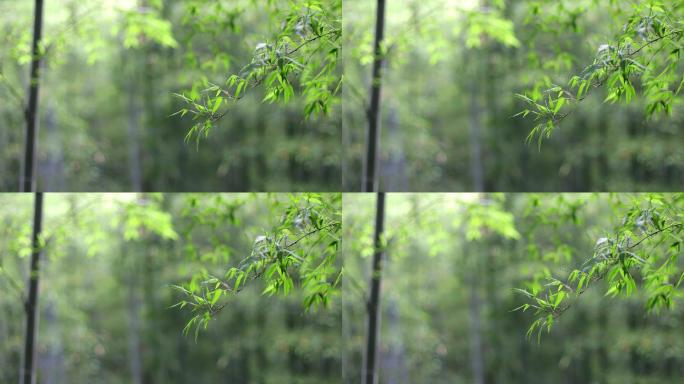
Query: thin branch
[
  {"x": 650, "y": 42},
  {"x": 214, "y": 117},
  {"x": 334, "y": 223},
  {"x": 256, "y": 275},
  {"x": 311, "y": 40},
  {"x": 556, "y": 313},
  {"x": 654, "y": 233}
]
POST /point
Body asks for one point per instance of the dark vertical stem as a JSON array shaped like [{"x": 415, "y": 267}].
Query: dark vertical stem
[
  {"x": 370, "y": 177},
  {"x": 134, "y": 118},
  {"x": 476, "y": 113},
  {"x": 28, "y": 183},
  {"x": 134, "y": 346},
  {"x": 28, "y": 375},
  {"x": 477, "y": 172},
  {"x": 475, "y": 309},
  {"x": 475, "y": 319},
  {"x": 495, "y": 371},
  {"x": 475, "y": 131},
  {"x": 370, "y": 371}
]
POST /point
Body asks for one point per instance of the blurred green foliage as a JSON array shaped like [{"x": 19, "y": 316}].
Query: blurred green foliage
[
  {"x": 303, "y": 53},
  {"x": 444, "y": 290},
  {"x": 106, "y": 296},
  {"x": 299, "y": 250},
  {"x": 107, "y": 108},
  {"x": 642, "y": 54},
  {"x": 450, "y": 111}
]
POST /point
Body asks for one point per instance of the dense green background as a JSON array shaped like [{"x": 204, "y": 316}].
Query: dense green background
[
  {"x": 441, "y": 291},
  {"x": 453, "y": 261},
  {"x": 106, "y": 100},
  {"x": 449, "y": 88},
  {"x": 105, "y": 294}
]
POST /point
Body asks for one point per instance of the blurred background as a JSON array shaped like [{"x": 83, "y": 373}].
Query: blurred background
[
  {"x": 105, "y": 295},
  {"x": 106, "y": 100},
  {"x": 448, "y": 100},
  {"x": 452, "y": 261}
]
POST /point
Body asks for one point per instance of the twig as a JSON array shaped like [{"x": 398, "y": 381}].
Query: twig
[
  {"x": 653, "y": 234},
  {"x": 650, "y": 42},
  {"x": 312, "y": 40},
  {"x": 312, "y": 232}
]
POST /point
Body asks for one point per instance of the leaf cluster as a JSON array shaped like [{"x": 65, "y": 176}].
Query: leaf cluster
[
  {"x": 643, "y": 58},
  {"x": 642, "y": 250},
  {"x": 299, "y": 251},
  {"x": 301, "y": 58}
]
